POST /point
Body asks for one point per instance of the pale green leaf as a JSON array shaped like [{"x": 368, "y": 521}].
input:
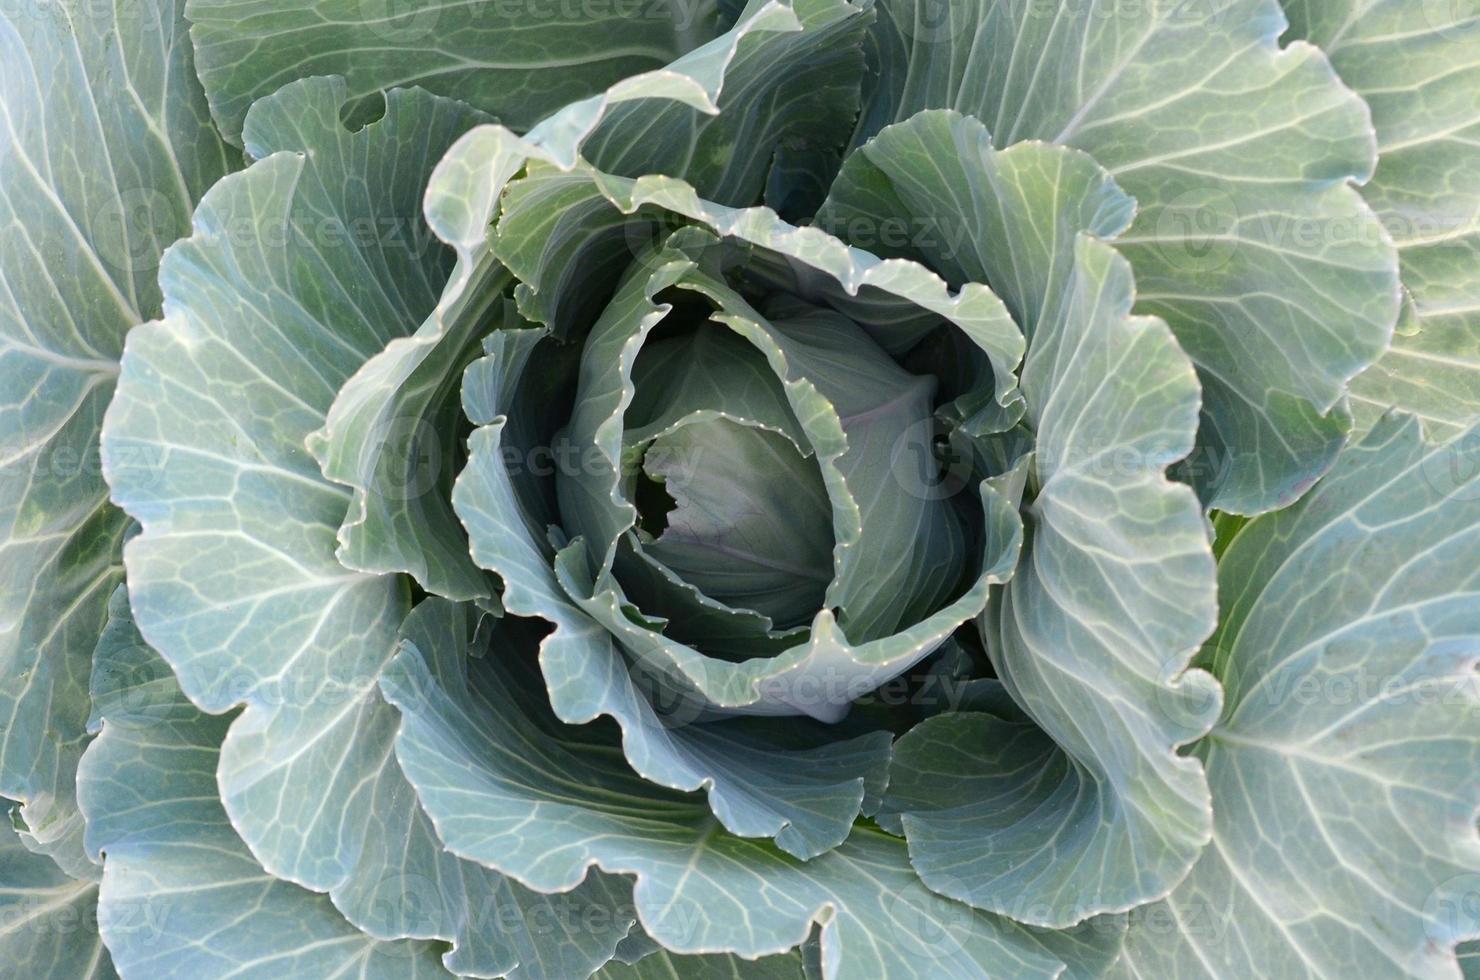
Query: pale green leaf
[
  {"x": 1250, "y": 240},
  {"x": 1116, "y": 592},
  {"x": 176, "y": 873},
  {"x": 517, "y": 62},
  {"x": 273, "y": 304},
  {"x": 1417, "y": 64},
  {"x": 105, "y": 146},
  {"x": 1343, "y": 769}
]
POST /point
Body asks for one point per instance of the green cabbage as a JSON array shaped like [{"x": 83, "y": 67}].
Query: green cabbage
[{"x": 827, "y": 488}]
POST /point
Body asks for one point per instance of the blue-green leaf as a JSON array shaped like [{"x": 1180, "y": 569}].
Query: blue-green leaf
[
  {"x": 176, "y": 871},
  {"x": 1418, "y": 67},
  {"x": 274, "y": 304},
  {"x": 513, "y": 61},
  {"x": 1343, "y": 769},
  {"x": 105, "y": 146},
  {"x": 1250, "y": 241}
]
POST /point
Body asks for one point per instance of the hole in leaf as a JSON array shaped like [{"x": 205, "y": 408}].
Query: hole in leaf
[{"x": 654, "y": 504}]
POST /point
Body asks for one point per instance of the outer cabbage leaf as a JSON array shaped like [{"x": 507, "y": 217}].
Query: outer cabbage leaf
[
  {"x": 176, "y": 872},
  {"x": 105, "y": 146},
  {"x": 783, "y": 85},
  {"x": 1418, "y": 67},
  {"x": 234, "y": 578},
  {"x": 1343, "y": 768},
  {"x": 1092, "y": 810},
  {"x": 518, "y": 62},
  {"x": 502, "y": 929},
  {"x": 1114, "y": 602},
  {"x": 508, "y": 784},
  {"x": 1250, "y": 243}
]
